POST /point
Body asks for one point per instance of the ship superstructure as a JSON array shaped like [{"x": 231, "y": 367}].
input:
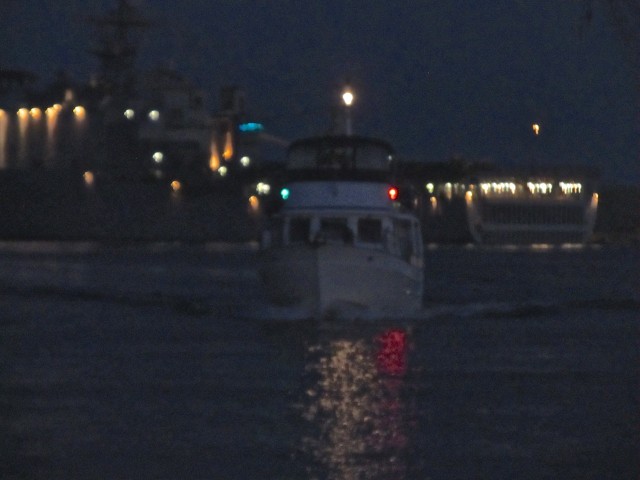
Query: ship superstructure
[{"x": 531, "y": 209}]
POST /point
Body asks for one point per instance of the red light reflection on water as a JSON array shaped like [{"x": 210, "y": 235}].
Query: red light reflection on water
[{"x": 391, "y": 358}]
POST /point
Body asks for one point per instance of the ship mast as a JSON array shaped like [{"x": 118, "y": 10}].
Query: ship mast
[{"x": 117, "y": 48}]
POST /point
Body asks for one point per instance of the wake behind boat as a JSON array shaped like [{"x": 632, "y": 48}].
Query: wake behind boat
[{"x": 341, "y": 239}]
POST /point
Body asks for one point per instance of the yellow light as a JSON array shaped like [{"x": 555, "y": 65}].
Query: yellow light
[
  {"x": 23, "y": 113},
  {"x": 429, "y": 186},
  {"x": 129, "y": 114},
  {"x": 254, "y": 202},
  {"x": 536, "y": 129},
  {"x": 35, "y": 113},
  {"x": 214, "y": 158},
  {"x": 57, "y": 107},
  {"x": 222, "y": 171},
  {"x": 79, "y": 112},
  {"x": 348, "y": 97},
  {"x": 2, "y": 113},
  {"x": 154, "y": 115},
  {"x": 468, "y": 196},
  {"x": 228, "y": 147},
  {"x": 158, "y": 157},
  {"x": 88, "y": 178},
  {"x": 245, "y": 161},
  {"x": 176, "y": 186}
]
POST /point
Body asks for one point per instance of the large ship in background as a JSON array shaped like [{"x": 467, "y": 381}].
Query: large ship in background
[
  {"x": 128, "y": 154},
  {"x": 136, "y": 155},
  {"x": 543, "y": 208},
  {"x": 463, "y": 202}
]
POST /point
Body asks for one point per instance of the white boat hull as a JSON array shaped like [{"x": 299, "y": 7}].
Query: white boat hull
[{"x": 333, "y": 277}]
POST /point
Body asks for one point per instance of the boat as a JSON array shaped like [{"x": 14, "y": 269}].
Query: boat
[
  {"x": 544, "y": 208},
  {"x": 341, "y": 241}
]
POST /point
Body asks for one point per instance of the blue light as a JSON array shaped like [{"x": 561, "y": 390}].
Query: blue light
[
  {"x": 251, "y": 127},
  {"x": 284, "y": 193}
]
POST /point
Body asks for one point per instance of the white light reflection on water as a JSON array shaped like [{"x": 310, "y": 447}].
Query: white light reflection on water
[{"x": 359, "y": 419}]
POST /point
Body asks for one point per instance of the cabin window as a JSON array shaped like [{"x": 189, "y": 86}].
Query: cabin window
[
  {"x": 336, "y": 230},
  {"x": 370, "y": 230},
  {"x": 299, "y": 229}
]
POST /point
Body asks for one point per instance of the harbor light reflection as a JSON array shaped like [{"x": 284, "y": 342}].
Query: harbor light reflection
[{"x": 356, "y": 406}]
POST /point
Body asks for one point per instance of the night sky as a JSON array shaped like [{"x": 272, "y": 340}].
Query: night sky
[{"x": 434, "y": 78}]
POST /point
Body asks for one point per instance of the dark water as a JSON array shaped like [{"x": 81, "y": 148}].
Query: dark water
[{"x": 163, "y": 361}]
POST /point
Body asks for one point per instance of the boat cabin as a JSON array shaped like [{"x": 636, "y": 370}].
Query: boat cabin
[
  {"x": 347, "y": 155},
  {"x": 399, "y": 235}
]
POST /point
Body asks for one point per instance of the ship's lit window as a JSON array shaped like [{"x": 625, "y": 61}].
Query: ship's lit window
[
  {"x": 448, "y": 190},
  {"x": 57, "y": 107},
  {"x": 228, "y": 147},
  {"x": 79, "y": 112},
  {"x": 35, "y": 113},
  {"x": 569, "y": 188},
  {"x": 129, "y": 114},
  {"x": 154, "y": 115},
  {"x": 158, "y": 157},
  {"x": 68, "y": 95},
  {"x": 222, "y": 171},
  {"x": 23, "y": 113},
  {"x": 429, "y": 187},
  {"x": 254, "y": 203},
  {"x": 214, "y": 158},
  {"x": 88, "y": 178},
  {"x": 176, "y": 186},
  {"x": 245, "y": 161},
  {"x": 263, "y": 188}
]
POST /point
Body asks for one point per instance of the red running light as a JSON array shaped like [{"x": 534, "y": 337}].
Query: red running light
[{"x": 393, "y": 193}]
